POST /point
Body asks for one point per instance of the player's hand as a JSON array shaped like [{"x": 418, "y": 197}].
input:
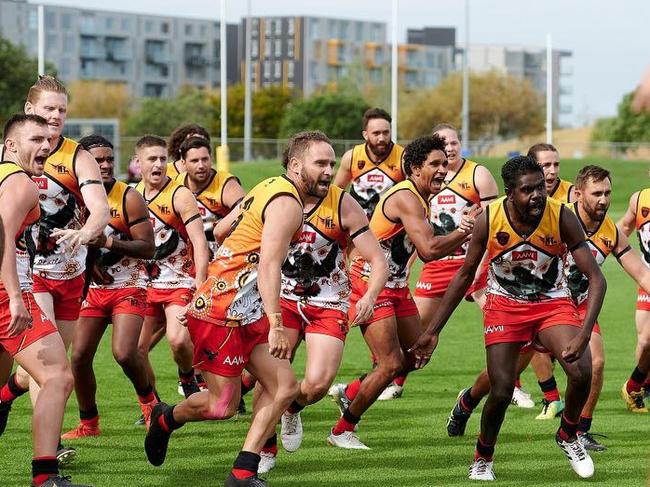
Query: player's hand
[
  {"x": 279, "y": 344},
  {"x": 423, "y": 349},
  {"x": 182, "y": 315},
  {"x": 99, "y": 241},
  {"x": 20, "y": 317},
  {"x": 72, "y": 239},
  {"x": 576, "y": 347},
  {"x": 469, "y": 217},
  {"x": 363, "y": 310}
]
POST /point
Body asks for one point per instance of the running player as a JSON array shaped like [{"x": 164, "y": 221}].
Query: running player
[
  {"x": 374, "y": 166},
  {"x": 593, "y": 196},
  {"x": 526, "y": 236},
  {"x": 181, "y": 259},
  {"x": 26, "y": 332},
  {"x": 176, "y": 164},
  {"x": 237, "y": 310},
  {"x": 467, "y": 184},
  {"x": 401, "y": 223},
  {"x": 117, "y": 293},
  {"x": 315, "y": 294}
]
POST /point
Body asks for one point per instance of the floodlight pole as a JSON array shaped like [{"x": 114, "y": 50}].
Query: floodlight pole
[
  {"x": 223, "y": 160},
  {"x": 549, "y": 90},
  {"x": 248, "y": 125},
  {"x": 393, "y": 77},
  {"x": 41, "y": 39},
  {"x": 465, "y": 108}
]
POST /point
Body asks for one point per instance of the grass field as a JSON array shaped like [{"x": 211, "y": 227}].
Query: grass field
[{"x": 408, "y": 438}]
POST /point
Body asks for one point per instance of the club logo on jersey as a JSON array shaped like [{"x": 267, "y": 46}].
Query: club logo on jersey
[
  {"x": 463, "y": 185},
  {"x": 548, "y": 240},
  {"x": 211, "y": 201},
  {"x": 307, "y": 237},
  {"x": 41, "y": 183},
  {"x": 60, "y": 168},
  {"x": 375, "y": 178},
  {"x": 115, "y": 213},
  {"x": 361, "y": 165},
  {"x": 328, "y": 222},
  {"x": 164, "y": 209},
  {"x": 447, "y": 199},
  {"x": 645, "y": 211},
  {"x": 503, "y": 237},
  {"x": 210, "y": 354},
  {"x": 607, "y": 242},
  {"x": 518, "y": 255}
]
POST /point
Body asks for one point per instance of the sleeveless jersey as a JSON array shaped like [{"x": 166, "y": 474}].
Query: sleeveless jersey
[
  {"x": 314, "y": 271},
  {"x": 172, "y": 172},
  {"x": 562, "y": 191},
  {"x": 642, "y": 223},
  {"x": 370, "y": 180},
  {"x": 230, "y": 295},
  {"x": 62, "y": 207},
  {"x": 114, "y": 270},
  {"x": 602, "y": 242},
  {"x": 25, "y": 246},
  {"x": 172, "y": 265},
  {"x": 393, "y": 240},
  {"x": 526, "y": 268},
  {"x": 448, "y": 205}
]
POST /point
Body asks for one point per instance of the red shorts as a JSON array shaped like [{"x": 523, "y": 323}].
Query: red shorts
[
  {"x": 224, "y": 350},
  {"x": 105, "y": 303},
  {"x": 437, "y": 274},
  {"x": 582, "y": 311},
  {"x": 314, "y": 319},
  {"x": 159, "y": 299},
  {"x": 66, "y": 295},
  {"x": 506, "y": 320},
  {"x": 642, "y": 300},
  {"x": 390, "y": 302},
  {"x": 41, "y": 325}
]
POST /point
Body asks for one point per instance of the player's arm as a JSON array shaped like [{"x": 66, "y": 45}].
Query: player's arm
[
  {"x": 185, "y": 205},
  {"x": 627, "y": 223},
  {"x": 355, "y": 223},
  {"x": 405, "y": 207},
  {"x": 141, "y": 245},
  {"x": 486, "y": 185},
  {"x": 344, "y": 174},
  {"x": 574, "y": 238},
  {"x": 232, "y": 193},
  {"x": 282, "y": 219},
  {"x": 17, "y": 197},
  {"x": 223, "y": 227},
  {"x": 426, "y": 344},
  {"x": 631, "y": 262}
]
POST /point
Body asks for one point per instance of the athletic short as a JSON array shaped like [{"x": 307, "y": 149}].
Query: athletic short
[
  {"x": 642, "y": 300},
  {"x": 41, "y": 326},
  {"x": 159, "y": 299},
  {"x": 105, "y": 303},
  {"x": 506, "y": 320},
  {"x": 308, "y": 318},
  {"x": 582, "y": 312},
  {"x": 390, "y": 302},
  {"x": 224, "y": 350},
  {"x": 66, "y": 295},
  {"x": 436, "y": 275}
]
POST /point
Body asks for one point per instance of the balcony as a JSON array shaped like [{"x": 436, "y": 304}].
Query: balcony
[{"x": 92, "y": 51}]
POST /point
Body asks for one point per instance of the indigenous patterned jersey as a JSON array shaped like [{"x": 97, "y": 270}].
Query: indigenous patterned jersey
[
  {"x": 370, "y": 180},
  {"x": 393, "y": 240},
  {"x": 315, "y": 271},
  {"x": 562, "y": 191},
  {"x": 113, "y": 270},
  {"x": 172, "y": 171},
  {"x": 230, "y": 295},
  {"x": 25, "y": 246},
  {"x": 602, "y": 242},
  {"x": 172, "y": 265},
  {"x": 62, "y": 207},
  {"x": 448, "y": 205},
  {"x": 642, "y": 223},
  {"x": 526, "y": 267}
]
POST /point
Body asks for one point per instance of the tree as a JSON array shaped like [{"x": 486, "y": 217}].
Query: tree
[
  {"x": 501, "y": 106},
  {"x": 19, "y": 73},
  {"x": 99, "y": 99},
  {"x": 339, "y": 116},
  {"x": 627, "y": 126}
]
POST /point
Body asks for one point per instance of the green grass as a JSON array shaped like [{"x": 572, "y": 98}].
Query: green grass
[{"x": 409, "y": 443}]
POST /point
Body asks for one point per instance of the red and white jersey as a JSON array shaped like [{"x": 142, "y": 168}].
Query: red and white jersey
[
  {"x": 642, "y": 224},
  {"x": 315, "y": 272}
]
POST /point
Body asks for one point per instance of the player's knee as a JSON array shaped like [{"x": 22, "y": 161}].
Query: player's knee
[
  {"x": 597, "y": 365},
  {"x": 287, "y": 392},
  {"x": 315, "y": 390},
  {"x": 393, "y": 364},
  {"x": 220, "y": 406},
  {"x": 579, "y": 374},
  {"x": 59, "y": 378},
  {"x": 124, "y": 358},
  {"x": 178, "y": 343},
  {"x": 80, "y": 358},
  {"x": 501, "y": 392}
]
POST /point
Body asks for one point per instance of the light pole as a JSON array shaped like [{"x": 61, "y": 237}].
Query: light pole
[
  {"x": 465, "y": 128},
  {"x": 223, "y": 158},
  {"x": 41, "y": 39},
  {"x": 393, "y": 69},
  {"x": 248, "y": 123}
]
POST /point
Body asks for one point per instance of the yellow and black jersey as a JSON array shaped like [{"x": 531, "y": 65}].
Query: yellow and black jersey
[{"x": 562, "y": 191}]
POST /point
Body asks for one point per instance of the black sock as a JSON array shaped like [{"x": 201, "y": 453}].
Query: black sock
[
  {"x": 350, "y": 418},
  {"x": 271, "y": 441},
  {"x": 171, "y": 423},
  {"x": 569, "y": 429},
  {"x": 89, "y": 414},
  {"x": 146, "y": 391},
  {"x": 44, "y": 467},
  {"x": 186, "y": 377},
  {"x": 483, "y": 450},
  {"x": 247, "y": 461},
  {"x": 584, "y": 424},
  {"x": 295, "y": 407},
  {"x": 548, "y": 385},
  {"x": 638, "y": 376},
  {"x": 467, "y": 402}
]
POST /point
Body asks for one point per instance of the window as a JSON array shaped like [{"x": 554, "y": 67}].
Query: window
[
  {"x": 267, "y": 49},
  {"x": 66, "y": 21},
  {"x": 164, "y": 27},
  {"x": 278, "y": 48},
  {"x": 52, "y": 41},
  {"x": 204, "y": 30},
  {"x": 32, "y": 19},
  {"x": 126, "y": 23},
  {"x": 255, "y": 49},
  {"x": 267, "y": 70},
  {"x": 87, "y": 68},
  {"x": 50, "y": 20},
  {"x": 277, "y": 69},
  {"x": 331, "y": 29},
  {"x": 358, "y": 32},
  {"x": 290, "y": 27},
  {"x": 290, "y": 69},
  {"x": 345, "y": 27},
  {"x": 188, "y": 29},
  {"x": 313, "y": 70},
  {"x": 375, "y": 75},
  {"x": 291, "y": 47},
  {"x": 109, "y": 23},
  {"x": 148, "y": 26},
  {"x": 68, "y": 43},
  {"x": 278, "y": 27},
  {"x": 65, "y": 68},
  {"x": 315, "y": 29}
]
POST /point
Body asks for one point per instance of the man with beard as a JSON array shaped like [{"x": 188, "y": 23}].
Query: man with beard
[
  {"x": 74, "y": 211},
  {"x": 593, "y": 196},
  {"x": 26, "y": 332},
  {"x": 372, "y": 167},
  {"x": 180, "y": 261},
  {"x": 117, "y": 293},
  {"x": 235, "y": 317},
  {"x": 527, "y": 230},
  {"x": 176, "y": 165},
  {"x": 401, "y": 224},
  {"x": 315, "y": 296}
]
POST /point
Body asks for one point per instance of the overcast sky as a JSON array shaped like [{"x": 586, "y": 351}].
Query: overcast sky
[{"x": 610, "y": 41}]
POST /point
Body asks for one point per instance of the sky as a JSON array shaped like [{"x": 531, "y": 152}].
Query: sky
[{"x": 610, "y": 41}]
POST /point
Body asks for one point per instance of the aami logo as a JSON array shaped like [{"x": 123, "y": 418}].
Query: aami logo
[
  {"x": 447, "y": 199},
  {"x": 518, "y": 255},
  {"x": 375, "y": 178},
  {"x": 236, "y": 360},
  {"x": 307, "y": 237},
  {"x": 41, "y": 183},
  {"x": 493, "y": 329},
  {"x": 423, "y": 285}
]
